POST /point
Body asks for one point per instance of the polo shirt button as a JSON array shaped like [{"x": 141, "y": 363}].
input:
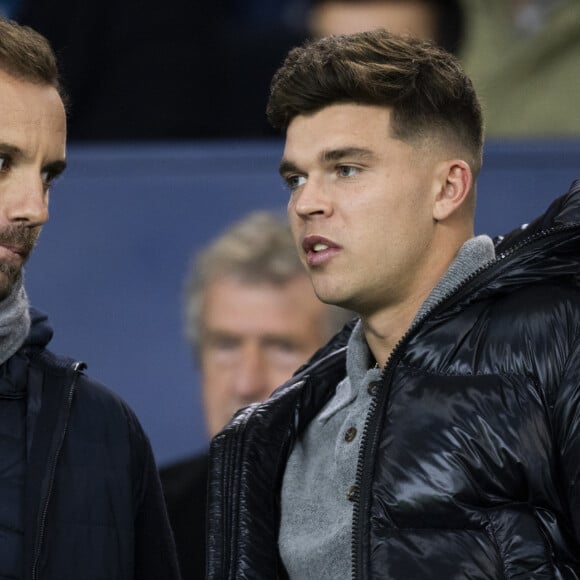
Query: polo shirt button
[
  {"x": 352, "y": 493},
  {"x": 350, "y": 434},
  {"x": 373, "y": 388}
]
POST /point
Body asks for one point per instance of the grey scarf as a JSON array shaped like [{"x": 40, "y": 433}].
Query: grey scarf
[{"x": 14, "y": 321}]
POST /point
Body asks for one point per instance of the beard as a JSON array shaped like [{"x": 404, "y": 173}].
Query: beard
[{"x": 23, "y": 238}]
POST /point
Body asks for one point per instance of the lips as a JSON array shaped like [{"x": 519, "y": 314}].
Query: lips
[
  {"x": 319, "y": 250},
  {"x": 12, "y": 253},
  {"x": 20, "y": 250},
  {"x": 18, "y": 241}
]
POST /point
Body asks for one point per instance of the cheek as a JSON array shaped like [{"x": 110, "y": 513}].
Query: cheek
[
  {"x": 292, "y": 216},
  {"x": 287, "y": 363},
  {"x": 294, "y": 222},
  {"x": 279, "y": 368},
  {"x": 215, "y": 381}
]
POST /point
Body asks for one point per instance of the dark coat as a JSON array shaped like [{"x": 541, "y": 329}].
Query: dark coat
[
  {"x": 93, "y": 503},
  {"x": 185, "y": 489},
  {"x": 470, "y": 457}
]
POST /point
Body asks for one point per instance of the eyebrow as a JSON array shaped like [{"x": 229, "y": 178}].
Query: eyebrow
[
  {"x": 286, "y": 166},
  {"x": 55, "y": 167},
  {"x": 328, "y": 155},
  {"x": 338, "y": 154},
  {"x": 11, "y": 150}
]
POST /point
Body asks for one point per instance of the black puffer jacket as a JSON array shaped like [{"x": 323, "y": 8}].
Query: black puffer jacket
[
  {"x": 470, "y": 459},
  {"x": 93, "y": 503}
]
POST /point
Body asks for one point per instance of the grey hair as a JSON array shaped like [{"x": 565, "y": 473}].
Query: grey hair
[{"x": 258, "y": 249}]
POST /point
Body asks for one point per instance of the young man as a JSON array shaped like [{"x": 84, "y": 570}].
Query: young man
[
  {"x": 439, "y": 437},
  {"x": 251, "y": 319},
  {"x": 80, "y": 492}
]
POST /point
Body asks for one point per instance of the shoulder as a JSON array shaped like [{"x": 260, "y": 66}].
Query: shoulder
[
  {"x": 540, "y": 308},
  {"x": 96, "y": 410}
]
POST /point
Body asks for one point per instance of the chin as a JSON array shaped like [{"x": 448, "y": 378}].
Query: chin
[
  {"x": 334, "y": 298},
  {"x": 6, "y": 286}
]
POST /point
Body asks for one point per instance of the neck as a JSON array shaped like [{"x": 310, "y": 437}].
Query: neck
[
  {"x": 384, "y": 329},
  {"x": 385, "y": 326}
]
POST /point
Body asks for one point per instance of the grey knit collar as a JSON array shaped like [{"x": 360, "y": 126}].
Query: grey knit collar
[
  {"x": 14, "y": 321},
  {"x": 473, "y": 254}
]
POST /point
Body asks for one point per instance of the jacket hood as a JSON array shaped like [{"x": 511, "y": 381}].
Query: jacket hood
[
  {"x": 545, "y": 251},
  {"x": 562, "y": 212},
  {"x": 40, "y": 330}
]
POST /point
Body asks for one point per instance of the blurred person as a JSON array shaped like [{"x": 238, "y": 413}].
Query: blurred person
[
  {"x": 439, "y": 20},
  {"x": 523, "y": 58},
  {"x": 251, "y": 318},
  {"x": 109, "y": 51},
  {"x": 81, "y": 497},
  {"x": 438, "y": 435}
]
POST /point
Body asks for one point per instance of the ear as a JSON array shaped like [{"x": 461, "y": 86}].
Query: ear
[{"x": 454, "y": 183}]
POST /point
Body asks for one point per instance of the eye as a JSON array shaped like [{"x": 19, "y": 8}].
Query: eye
[
  {"x": 5, "y": 163},
  {"x": 226, "y": 343},
  {"x": 282, "y": 345},
  {"x": 295, "y": 181},
  {"x": 221, "y": 342},
  {"x": 47, "y": 178},
  {"x": 347, "y": 170},
  {"x": 51, "y": 171},
  {"x": 50, "y": 174}
]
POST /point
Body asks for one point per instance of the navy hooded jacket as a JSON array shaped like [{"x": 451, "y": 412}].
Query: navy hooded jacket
[{"x": 93, "y": 503}]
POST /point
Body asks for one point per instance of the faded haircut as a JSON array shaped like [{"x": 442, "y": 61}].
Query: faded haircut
[{"x": 430, "y": 95}]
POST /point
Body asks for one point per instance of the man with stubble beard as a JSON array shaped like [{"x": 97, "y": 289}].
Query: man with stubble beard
[{"x": 79, "y": 492}]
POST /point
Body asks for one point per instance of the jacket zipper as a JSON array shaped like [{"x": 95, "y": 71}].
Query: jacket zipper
[
  {"x": 41, "y": 529},
  {"x": 230, "y": 526},
  {"x": 363, "y": 481}
]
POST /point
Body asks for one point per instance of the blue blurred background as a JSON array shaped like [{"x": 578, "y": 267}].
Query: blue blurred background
[
  {"x": 169, "y": 145},
  {"x": 125, "y": 219}
]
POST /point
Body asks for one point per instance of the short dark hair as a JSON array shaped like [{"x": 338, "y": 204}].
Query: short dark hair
[
  {"x": 426, "y": 87},
  {"x": 27, "y": 55}
]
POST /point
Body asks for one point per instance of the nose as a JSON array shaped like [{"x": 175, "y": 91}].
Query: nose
[
  {"x": 312, "y": 199},
  {"x": 250, "y": 383},
  {"x": 26, "y": 201}
]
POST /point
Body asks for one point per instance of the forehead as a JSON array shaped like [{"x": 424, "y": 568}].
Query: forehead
[
  {"x": 336, "y": 127},
  {"x": 237, "y": 305},
  {"x": 346, "y": 117},
  {"x": 32, "y": 116}
]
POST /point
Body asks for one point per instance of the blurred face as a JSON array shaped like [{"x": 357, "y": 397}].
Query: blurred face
[
  {"x": 361, "y": 207},
  {"x": 32, "y": 154},
  {"x": 255, "y": 336},
  {"x": 415, "y": 18}
]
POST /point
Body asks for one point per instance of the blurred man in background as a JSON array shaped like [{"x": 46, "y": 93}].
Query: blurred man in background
[
  {"x": 523, "y": 58},
  {"x": 252, "y": 319},
  {"x": 442, "y": 21}
]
